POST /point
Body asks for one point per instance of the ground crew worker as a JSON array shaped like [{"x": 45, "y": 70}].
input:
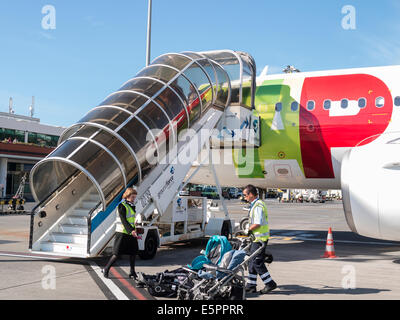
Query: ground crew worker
[
  {"x": 258, "y": 226},
  {"x": 125, "y": 241},
  {"x": 280, "y": 195}
]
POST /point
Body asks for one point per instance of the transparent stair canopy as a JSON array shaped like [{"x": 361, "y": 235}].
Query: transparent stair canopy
[
  {"x": 241, "y": 69},
  {"x": 118, "y": 142}
]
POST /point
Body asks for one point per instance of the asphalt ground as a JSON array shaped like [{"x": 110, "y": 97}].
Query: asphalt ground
[{"x": 364, "y": 268}]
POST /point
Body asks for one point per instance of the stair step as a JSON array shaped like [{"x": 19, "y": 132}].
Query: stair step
[
  {"x": 69, "y": 238},
  {"x": 194, "y": 227},
  {"x": 73, "y": 228},
  {"x": 89, "y": 204},
  {"x": 79, "y": 220},
  {"x": 93, "y": 197},
  {"x": 57, "y": 254},
  {"x": 62, "y": 247},
  {"x": 83, "y": 212}
]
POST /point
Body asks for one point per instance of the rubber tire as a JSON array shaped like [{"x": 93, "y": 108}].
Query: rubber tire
[
  {"x": 243, "y": 223},
  {"x": 237, "y": 293},
  {"x": 150, "y": 247}
]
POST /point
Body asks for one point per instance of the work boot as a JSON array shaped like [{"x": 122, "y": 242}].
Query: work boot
[
  {"x": 268, "y": 287},
  {"x": 251, "y": 289},
  {"x": 105, "y": 272},
  {"x": 133, "y": 274}
]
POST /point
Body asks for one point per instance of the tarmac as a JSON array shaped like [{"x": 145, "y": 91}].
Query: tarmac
[{"x": 364, "y": 269}]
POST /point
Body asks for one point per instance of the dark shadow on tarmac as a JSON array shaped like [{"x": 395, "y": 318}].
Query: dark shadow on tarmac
[
  {"x": 311, "y": 244},
  {"x": 296, "y": 289},
  {"x": 297, "y": 249},
  {"x": 304, "y": 245},
  {"x": 7, "y": 241}
]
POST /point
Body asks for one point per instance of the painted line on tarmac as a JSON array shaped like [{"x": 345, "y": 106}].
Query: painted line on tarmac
[
  {"x": 34, "y": 256},
  {"x": 109, "y": 283},
  {"x": 353, "y": 242},
  {"x": 106, "y": 291},
  {"x": 142, "y": 290},
  {"x": 282, "y": 237},
  {"x": 127, "y": 285}
]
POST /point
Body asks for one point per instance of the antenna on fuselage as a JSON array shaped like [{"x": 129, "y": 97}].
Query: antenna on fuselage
[{"x": 290, "y": 69}]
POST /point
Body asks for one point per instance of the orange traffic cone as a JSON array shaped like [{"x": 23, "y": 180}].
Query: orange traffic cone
[{"x": 330, "y": 249}]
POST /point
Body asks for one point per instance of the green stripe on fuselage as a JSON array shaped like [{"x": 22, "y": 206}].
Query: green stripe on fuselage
[{"x": 279, "y": 143}]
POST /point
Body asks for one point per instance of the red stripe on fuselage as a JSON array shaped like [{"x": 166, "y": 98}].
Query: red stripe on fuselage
[{"x": 319, "y": 132}]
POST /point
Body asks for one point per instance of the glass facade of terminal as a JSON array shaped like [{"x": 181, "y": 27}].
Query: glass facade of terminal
[
  {"x": 42, "y": 139},
  {"x": 12, "y": 135},
  {"x": 15, "y": 172},
  {"x": 13, "y": 169},
  {"x": 18, "y": 136}
]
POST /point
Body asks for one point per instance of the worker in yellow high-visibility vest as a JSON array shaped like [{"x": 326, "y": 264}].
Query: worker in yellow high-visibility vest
[
  {"x": 258, "y": 225},
  {"x": 125, "y": 242}
]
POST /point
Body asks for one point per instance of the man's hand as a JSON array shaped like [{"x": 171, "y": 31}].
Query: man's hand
[
  {"x": 134, "y": 234},
  {"x": 249, "y": 233}
]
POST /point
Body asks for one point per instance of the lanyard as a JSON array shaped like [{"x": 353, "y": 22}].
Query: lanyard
[{"x": 253, "y": 203}]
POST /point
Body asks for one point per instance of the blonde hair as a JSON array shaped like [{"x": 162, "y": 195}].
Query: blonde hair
[{"x": 128, "y": 192}]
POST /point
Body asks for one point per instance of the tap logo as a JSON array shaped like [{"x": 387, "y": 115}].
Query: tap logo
[
  {"x": 245, "y": 124},
  {"x": 172, "y": 171},
  {"x": 255, "y": 125}
]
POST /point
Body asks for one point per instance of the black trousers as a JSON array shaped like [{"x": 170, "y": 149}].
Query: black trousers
[
  {"x": 257, "y": 266},
  {"x": 124, "y": 244}
]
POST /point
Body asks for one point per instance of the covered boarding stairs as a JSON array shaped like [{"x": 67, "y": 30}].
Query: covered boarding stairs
[{"x": 131, "y": 139}]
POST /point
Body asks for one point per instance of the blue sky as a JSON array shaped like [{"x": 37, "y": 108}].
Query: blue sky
[{"x": 98, "y": 45}]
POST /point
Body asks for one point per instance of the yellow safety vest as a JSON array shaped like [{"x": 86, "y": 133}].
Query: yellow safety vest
[
  {"x": 262, "y": 232},
  {"x": 130, "y": 217}
]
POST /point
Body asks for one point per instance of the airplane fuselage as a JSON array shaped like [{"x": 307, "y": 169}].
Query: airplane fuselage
[{"x": 308, "y": 121}]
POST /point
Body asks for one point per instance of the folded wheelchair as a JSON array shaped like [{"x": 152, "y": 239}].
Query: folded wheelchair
[{"x": 218, "y": 274}]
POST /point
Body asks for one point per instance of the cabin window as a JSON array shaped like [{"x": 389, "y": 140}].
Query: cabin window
[
  {"x": 327, "y": 104},
  {"x": 380, "y": 102},
  {"x": 310, "y": 105},
  {"x": 294, "y": 106},
  {"x": 344, "y": 103},
  {"x": 278, "y": 107},
  {"x": 362, "y": 103},
  {"x": 397, "y": 101}
]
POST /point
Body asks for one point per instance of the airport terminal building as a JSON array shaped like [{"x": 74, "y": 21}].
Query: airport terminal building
[{"x": 23, "y": 142}]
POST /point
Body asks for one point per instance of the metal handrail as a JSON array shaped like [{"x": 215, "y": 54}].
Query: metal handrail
[
  {"x": 89, "y": 240},
  {"x": 166, "y": 84},
  {"x": 63, "y": 185},
  {"x": 51, "y": 196},
  {"x": 89, "y": 225}
]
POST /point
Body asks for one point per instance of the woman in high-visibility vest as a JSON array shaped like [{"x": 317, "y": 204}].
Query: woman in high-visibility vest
[
  {"x": 258, "y": 226},
  {"x": 125, "y": 242}
]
